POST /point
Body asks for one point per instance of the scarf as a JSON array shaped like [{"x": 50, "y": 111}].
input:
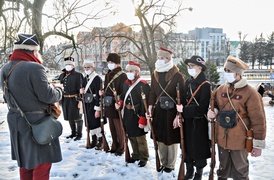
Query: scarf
[
  {"x": 23, "y": 55},
  {"x": 164, "y": 67},
  {"x": 129, "y": 82}
]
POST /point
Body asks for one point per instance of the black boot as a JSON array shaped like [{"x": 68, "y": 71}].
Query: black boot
[
  {"x": 79, "y": 130},
  {"x": 99, "y": 145},
  {"x": 189, "y": 171},
  {"x": 73, "y": 129},
  {"x": 198, "y": 174},
  {"x": 94, "y": 141}
]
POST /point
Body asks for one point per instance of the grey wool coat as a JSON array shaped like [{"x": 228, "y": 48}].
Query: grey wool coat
[{"x": 29, "y": 85}]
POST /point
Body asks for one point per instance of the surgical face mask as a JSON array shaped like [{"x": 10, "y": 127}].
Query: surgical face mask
[
  {"x": 192, "y": 72},
  {"x": 68, "y": 67},
  {"x": 88, "y": 72},
  {"x": 111, "y": 66},
  {"x": 130, "y": 75},
  {"x": 160, "y": 62},
  {"x": 229, "y": 77}
]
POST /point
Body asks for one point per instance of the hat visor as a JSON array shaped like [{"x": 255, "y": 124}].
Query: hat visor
[{"x": 195, "y": 62}]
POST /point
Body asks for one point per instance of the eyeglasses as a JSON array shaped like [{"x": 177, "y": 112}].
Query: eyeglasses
[
  {"x": 190, "y": 66},
  {"x": 87, "y": 67}
]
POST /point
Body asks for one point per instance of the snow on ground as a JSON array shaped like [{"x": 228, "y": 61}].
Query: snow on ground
[{"x": 88, "y": 164}]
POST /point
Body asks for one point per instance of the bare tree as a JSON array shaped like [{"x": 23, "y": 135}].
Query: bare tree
[
  {"x": 153, "y": 16},
  {"x": 30, "y": 16}
]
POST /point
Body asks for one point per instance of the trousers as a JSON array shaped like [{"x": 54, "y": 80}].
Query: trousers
[{"x": 40, "y": 172}]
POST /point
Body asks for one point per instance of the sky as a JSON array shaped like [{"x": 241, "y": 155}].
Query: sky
[
  {"x": 251, "y": 17},
  {"x": 88, "y": 164}
]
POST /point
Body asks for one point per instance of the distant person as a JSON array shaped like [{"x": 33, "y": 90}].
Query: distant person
[
  {"x": 114, "y": 79},
  {"x": 162, "y": 107},
  {"x": 29, "y": 85},
  {"x": 238, "y": 108},
  {"x": 72, "y": 82},
  {"x": 261, "y": 89},
  {"x": 133, "y": 110},
  {"x": 91, "y": 86}
]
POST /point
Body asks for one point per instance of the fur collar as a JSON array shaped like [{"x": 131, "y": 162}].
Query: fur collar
[{"x": 169, "y": 75}]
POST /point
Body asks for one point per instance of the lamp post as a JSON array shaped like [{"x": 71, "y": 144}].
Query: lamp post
[{"x": 209, "y": 66}]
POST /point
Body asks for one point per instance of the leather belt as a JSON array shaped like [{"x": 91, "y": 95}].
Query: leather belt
[
  {"x": 70, "y": 95},
  {"x": 128, "y": 106}
]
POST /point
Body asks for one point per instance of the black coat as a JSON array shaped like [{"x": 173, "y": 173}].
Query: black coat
[
  {"x": 94, "y": 88},
  {"x": 72, "y": 84},
  {"x": 131, "y": 117},
  {"x": 197, "y": 142},
  {"x": 110, "y": 111}
]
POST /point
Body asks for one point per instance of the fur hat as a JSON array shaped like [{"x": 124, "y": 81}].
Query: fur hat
[
  {"x": 88, "y": 63},
  {"x": 164, "y": 53},
  {"x": 113, "y": 57},
  {"x": 235, "y": 65},
  {"x": 28, "y": 42},
  {"x": 69, "y": 61},
  {"x": 196, "y": 60},
  {"x": 133, "y": 66}
]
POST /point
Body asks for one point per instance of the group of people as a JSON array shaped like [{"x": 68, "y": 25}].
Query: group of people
[{"x": 237, "y": 108}]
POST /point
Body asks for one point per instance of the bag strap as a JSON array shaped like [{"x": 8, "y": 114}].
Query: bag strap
[
  {"x": 235, "y": 109},
  {"x": 13, "y": 99},
  {"x": 115, "y": 76},
  {"x": 163, "y": 90},
  {"x": 195, "y": 92},
  {"x": 89, "y": 82}
]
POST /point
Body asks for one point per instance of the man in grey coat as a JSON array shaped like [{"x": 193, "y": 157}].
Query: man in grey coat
[{"x": 29, "y": 86}]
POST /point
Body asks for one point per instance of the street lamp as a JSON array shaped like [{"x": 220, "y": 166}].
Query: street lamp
[{"x": 208, "y": 51}]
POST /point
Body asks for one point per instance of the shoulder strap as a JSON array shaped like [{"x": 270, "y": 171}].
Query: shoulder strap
[
  {"x": 90, "y": 81},
  {"x": 15, "y": 102},
  {"x": 115, "y": 76},
  {"x": 196, "y": 91}
]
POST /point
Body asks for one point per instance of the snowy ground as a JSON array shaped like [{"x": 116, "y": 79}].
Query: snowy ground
[{"x": 89, "y": 164}]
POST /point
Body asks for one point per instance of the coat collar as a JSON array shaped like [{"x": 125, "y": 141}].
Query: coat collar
[{"x": 169, "y": 75}]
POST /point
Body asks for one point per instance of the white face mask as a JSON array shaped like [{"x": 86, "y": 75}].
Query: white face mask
[
  {"x": 88, "y": 72},
  {"x": 111, "y": 66},
  {"x": 229, "y": 77},
  {"x": 160, "y": 62},
  {"x": 68, "y": 67},
  {"x": 130, "y": 75},
  {"x": 192, "y": 72}
]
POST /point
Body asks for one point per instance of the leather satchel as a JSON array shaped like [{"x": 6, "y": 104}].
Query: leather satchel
[
  {"x": 88, "y": 97},
  {"x": 46, "y": 130},
  {"x": 166, "y": 103},
  {"x": 227, "y": 118}
]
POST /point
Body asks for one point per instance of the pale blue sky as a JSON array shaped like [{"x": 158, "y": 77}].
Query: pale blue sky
[{"x": 251, "y": 17}]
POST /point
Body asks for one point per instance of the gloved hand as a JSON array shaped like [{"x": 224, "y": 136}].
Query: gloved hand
[
  {"x": 148, "y": 114},
  {"x": 179, "y": 108},
  {"x": 176, "y": 122},
  {"x": 141, "y": 126},
  {"x": 256, "y": 152},
  {"x": 82, "y": 90},
  {"x": 117, "y": 106},
  {"x": 79, "y": 104},
  {"x": 212, "y": 114}
]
